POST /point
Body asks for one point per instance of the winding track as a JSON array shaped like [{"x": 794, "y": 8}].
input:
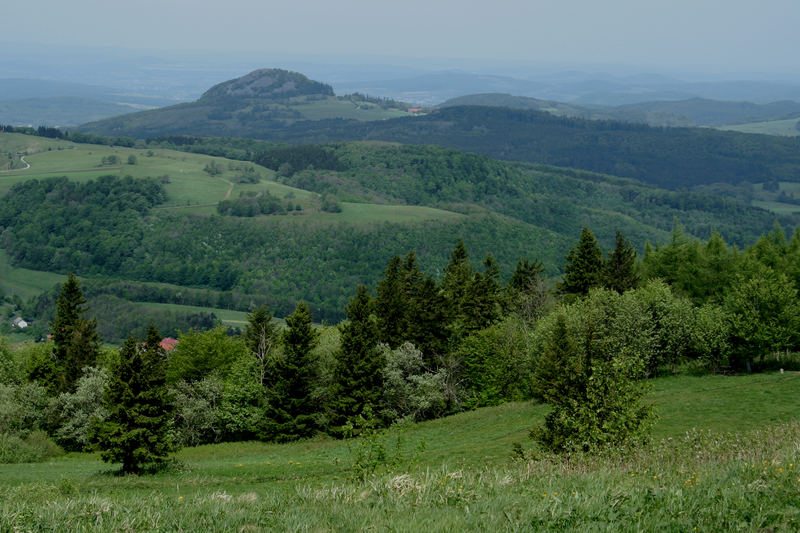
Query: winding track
[{"x": 21, "y": 158}]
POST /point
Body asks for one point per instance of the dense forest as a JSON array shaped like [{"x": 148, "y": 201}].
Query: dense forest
[
  {"x": 107, "y": 228},
  {"x": 668, "y": 157},
  {"x": 413, "y": 348}
]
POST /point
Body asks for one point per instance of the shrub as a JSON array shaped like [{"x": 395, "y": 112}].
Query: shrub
[
  {"x": 594, "y": 357},
  {"x": 34, "y": 448},
  {"x": 197, "y": 417},
  {"x": 23, "y": 408},
  {"x": 409, "y": 391},
  {"x": 77, "y": 410}
]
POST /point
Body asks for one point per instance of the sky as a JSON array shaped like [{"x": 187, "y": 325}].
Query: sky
[{"x": 701, "y": 35}]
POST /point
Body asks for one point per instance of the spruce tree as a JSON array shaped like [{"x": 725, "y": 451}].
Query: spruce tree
[
  {"x": 136, "y": 432},
  {"x": 482, "y": 303},
  {"x": 584, "y": 267},
  {"x": 391, "y": 304},
  {"x": 559, "y": 369},
  {"x": 291, "y": 410},
  {"x": 76, "y": 341},
  {"x": 358, "y": 375},
  {"x": 428, "y": 322},
  {"x": 525, "y": 293},
  {"x": 620, "y": 273}
]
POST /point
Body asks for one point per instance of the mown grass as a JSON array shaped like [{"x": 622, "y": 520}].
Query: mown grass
[{"x": 745, "y": 476}]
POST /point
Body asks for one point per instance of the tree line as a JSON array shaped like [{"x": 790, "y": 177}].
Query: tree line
[{"x": 416, "y": 348}]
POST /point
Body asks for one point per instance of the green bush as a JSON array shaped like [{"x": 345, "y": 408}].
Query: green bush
[
  {"x": 23, "y": 408},
  {"x": 76, "y": 411},
  {"x": 197, "y": 417},
  {"x": 409, "y": 391},
  {"x": 34, "y": 448}
]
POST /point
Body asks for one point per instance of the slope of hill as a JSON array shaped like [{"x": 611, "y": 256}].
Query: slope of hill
[
  {"x": 286, "y": 107},
  {"x": 53, "y": 103},
  {"x": 263, "y": 101},
  {"x": 704, "y": 469},
  {"x": 788, "y": 127},
  {"x": 332, "y": 223},
  {"x": 691, "y": 112},
  {"x": 666, "y": 157}
]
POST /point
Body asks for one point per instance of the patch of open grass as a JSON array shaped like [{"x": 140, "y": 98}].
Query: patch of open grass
[
  {"x": 743, "y": 475},
  {"x": 25, "y": 282},
  {"x": 772, "y": 127}
]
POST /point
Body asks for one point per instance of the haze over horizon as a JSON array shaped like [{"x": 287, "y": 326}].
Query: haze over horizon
[{"x": 711, "y": 37}]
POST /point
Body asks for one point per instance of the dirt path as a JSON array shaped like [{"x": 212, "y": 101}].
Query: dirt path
[
  {"x": 230, "y": 188},
  {"x": 21, "y": 158}
]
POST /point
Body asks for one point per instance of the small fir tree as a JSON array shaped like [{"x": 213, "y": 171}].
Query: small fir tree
[
  {"x": 584, "y": 267},
  {"x": 136, "y": 432},
  {"x": 620, "y": 273},
  {"x": 597, "y": 394},
  {"x": 291, "y": 410}
]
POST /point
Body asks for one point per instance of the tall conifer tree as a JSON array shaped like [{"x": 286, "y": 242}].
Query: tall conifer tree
[
  {"x": 291, "y": 411},
  {"x": 75, "y": 337},
  {"x": 584, "y": 267},
  {"x": 391, "y": 304},
  {"x": 358, "y": 375},
  {"x": 136, "y": 432},
  {"x": 620, "y": 273}
]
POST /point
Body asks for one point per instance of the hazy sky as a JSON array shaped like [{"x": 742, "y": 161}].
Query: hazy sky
[{"x": 704, "y": 35}]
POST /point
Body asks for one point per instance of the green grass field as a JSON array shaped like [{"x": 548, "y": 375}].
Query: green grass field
[
  {"x": 190, "y": 188},
  {"x": 226, "y": 316},
  {"x": 742, "y": 475},
  {"x": 24, "y": 282},
  {"x": 331, "y": 108},
  {"x": 772, "y": 127}
]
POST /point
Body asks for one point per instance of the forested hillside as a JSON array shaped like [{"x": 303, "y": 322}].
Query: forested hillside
[
  {"x": 285, "y": 107},
  {"x": 327, "y": 222}
]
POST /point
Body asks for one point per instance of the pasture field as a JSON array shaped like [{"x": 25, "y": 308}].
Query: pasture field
[
  {"x": 189, "y": 187},
  {"x": 25, "y": 282},
  {"x": 226, "y": 316},
  {"x": 779, "y": 208},
  {"x": 773, "y": 127},
  {"x": 334, "y": 108},
  {"x": 709, "y": 468}
]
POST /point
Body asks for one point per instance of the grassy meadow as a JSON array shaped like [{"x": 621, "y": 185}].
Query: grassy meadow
[
  {"x": 25, "y": 282},
  {"x": 723, "y": 458},
  {"x": 772, "y": 127}
]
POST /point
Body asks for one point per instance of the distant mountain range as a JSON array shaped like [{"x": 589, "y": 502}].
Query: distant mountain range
[
  {"x": 578, "y": 88},
  {"x": 286, "y": 107},
  {"x": 262, "y": 103},
  {"x": 692, "y": 112},
  {"x": 56, "y": 103}
]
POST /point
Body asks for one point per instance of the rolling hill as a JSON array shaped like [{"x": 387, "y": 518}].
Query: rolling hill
[
  {"x": 296, "y": 110},
  {"x": 263, "y": 101},
  {"x": 179, "y": 246},
  {"x": 690, "y": 112}
]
